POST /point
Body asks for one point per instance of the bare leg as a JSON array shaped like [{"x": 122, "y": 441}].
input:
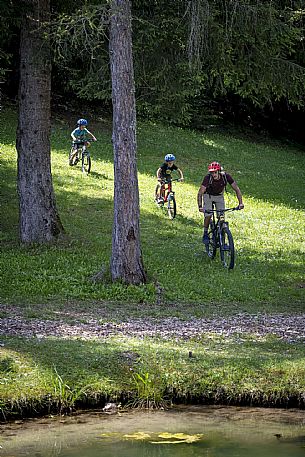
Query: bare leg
[{"x": 206, "y": 222}]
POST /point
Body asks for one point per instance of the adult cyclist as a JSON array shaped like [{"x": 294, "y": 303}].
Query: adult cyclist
[{"x": 211, "y": 191}]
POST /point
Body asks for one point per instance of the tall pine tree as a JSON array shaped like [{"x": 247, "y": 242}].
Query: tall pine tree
[
  {"x": 38, "y": 217},
  {"x": 126, "y": 259}
]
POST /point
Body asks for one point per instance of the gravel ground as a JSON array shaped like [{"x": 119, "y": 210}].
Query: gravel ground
[{"x": 290, "y": 328}]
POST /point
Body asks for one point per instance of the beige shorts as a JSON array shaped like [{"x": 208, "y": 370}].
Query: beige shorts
[{"x": 208, "y": 201}]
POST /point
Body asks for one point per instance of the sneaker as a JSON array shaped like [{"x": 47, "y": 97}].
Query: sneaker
[
  {"x": 205, "y": 238},
  {"x": 160, "y": 201}
]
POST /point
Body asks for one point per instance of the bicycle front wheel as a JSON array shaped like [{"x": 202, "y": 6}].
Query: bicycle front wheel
[
  {"x": 212, "y": 245},
  {"x": 171, "y": 207},
  {"x": 86, "y": 163},
  {"x": 227, "y": 250}
]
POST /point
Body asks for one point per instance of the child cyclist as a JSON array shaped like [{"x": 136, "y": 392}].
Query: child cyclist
[
  {"x": 80, "y": 136},
  {"x": 164, "y": 174}
]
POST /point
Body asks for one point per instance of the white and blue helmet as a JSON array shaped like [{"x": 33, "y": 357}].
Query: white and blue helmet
[
  {"x": 169, "y": 158},
  {"x": 82, "y": 122}
]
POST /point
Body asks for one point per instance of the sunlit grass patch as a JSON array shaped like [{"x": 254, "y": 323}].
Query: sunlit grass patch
[{"x": 268, "y": 234}]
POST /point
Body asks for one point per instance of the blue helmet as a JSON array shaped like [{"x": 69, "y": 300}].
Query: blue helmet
[
  {"x": 82, "y": 122},
  {"x": 169, "y": 158}
]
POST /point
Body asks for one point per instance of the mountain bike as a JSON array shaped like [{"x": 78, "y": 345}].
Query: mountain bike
[
  {"x": 79, "y": 150},
  {"x": 167, "y": 197},
  {"x": 221, "y": 237}
]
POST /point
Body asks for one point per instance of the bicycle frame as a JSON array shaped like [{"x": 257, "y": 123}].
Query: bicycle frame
[
  {"x": 79, "y": 151},
  {"x": 166, "y": 190},
  {"x": 167, "y": 196},
  {"x": 221, "y": 237},
  {"x": 85, "y": 151},
  {"x": 82, "y": 145},
  {"x": 218, "y": 218}
]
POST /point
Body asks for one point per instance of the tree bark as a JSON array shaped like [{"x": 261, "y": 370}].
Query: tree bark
[
  {"x": 38, "y": 217},
  {"x": 126, "y": 258}
]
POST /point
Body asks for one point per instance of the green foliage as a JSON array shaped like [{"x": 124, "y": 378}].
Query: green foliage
[
  {"x": 63, "y": 397},
  {"x": 186, "y": 53},
  {"x": 10, "y": 20},
  {"x": 149, "y": 390},
  {"x": 81, "y": 51},
  {"x": 164, "y": 85},
  {"x": 248, "y": 48}
]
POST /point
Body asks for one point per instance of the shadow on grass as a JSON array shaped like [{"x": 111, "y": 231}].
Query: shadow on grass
[
  {"x": 9, "y": 211},
  {"x": 96, "y": 175},
  {"x": 92, "y": 175},
  {"x": 261, "y": 170}
]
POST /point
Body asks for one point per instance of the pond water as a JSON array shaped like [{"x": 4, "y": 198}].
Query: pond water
[{"x": 180, "y": 432}]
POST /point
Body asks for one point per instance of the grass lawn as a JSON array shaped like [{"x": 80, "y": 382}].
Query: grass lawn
[
  {"x": 268, "y": 276},
  {"x": 269, "y": 233}
]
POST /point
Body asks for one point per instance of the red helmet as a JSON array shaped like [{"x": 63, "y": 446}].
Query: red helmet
[{"x": 214, "y": 166}]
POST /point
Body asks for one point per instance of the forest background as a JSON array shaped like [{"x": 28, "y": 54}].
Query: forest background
[{"x": 236, "y": 61}]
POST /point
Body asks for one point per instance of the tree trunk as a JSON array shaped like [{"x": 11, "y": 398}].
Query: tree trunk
[
  {"x": 38, "y": 217},
  {"x": 126, "y": 259}
]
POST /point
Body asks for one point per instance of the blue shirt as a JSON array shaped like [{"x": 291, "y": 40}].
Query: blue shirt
[{"x": 80, "y": 134}]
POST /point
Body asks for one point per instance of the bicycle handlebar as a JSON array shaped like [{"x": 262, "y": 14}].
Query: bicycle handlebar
[
  {"x": 89, "y": 140},
  {"x": 166, "y": 182},
  {"x": 237, "y": 208}
]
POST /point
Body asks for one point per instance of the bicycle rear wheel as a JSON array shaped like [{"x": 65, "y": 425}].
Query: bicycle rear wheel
[
  {"x": 212, "y": 246},
  {"x": 73, "y": 157},
  {"x": 171, "y": 207},
  {"x": 86, "y": 163},
  {"x": 227, "y": 250}
]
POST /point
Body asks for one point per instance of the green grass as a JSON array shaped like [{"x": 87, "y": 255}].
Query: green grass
[
  {"x": 268, "y": 234},
  {"x": 56, "y": 374}
]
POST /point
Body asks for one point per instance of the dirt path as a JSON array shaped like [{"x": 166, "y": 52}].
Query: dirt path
[{"x": 88, "y": 326}]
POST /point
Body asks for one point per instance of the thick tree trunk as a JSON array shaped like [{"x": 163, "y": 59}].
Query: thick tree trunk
[
  {"x": 126, "y": 259},
  {"x": 38, "y": 217}
]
